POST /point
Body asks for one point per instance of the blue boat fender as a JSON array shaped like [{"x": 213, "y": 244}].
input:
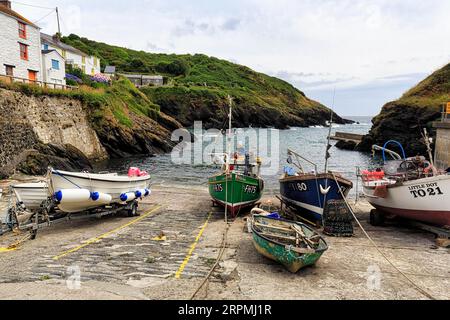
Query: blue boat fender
[
  {"x": 142, "y": 193},
  {"x": 95, "y": 196},
  {"x": 72, "y": 195},
  {"x": 126, "y": 197},
  {"x": 101, "y": 197}
]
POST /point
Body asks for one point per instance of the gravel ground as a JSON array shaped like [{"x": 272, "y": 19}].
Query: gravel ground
[{"x": 142, "y": 260}]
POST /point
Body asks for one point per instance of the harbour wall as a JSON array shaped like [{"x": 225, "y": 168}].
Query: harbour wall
[
  {"x": 28, "y": 122},
  {"x": 442, "y": 156}
]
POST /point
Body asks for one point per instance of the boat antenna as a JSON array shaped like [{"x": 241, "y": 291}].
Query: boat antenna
[{"x": 327, "y": 153}]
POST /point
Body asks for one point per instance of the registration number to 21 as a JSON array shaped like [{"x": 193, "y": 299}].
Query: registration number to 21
[{"x": 428, "y": 190}]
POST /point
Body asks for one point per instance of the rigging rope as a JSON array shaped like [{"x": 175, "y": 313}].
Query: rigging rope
[{"x": 415, "y": 286}]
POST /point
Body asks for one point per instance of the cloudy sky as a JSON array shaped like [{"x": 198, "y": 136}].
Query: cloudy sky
[{"x": 369, "y": 51}]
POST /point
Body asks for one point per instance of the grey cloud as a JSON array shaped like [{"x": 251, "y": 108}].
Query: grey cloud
[
  {"x": 231, "y": 24},
  {"x": 190, "y": 27}
]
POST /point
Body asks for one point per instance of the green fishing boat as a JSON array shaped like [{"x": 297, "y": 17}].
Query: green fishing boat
[
  {"x": 236, "y": 190},
  {"x": 238, "y": 185},
  {"x": 293, "y": 244}
]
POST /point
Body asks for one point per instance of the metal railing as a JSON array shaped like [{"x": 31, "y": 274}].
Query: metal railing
[{"x": 55, "y": 86}]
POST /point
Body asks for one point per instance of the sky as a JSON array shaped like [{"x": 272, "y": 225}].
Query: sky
[{"x": 351, "y": 55}]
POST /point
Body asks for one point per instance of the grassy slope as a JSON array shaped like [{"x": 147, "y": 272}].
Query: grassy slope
[
  {"x": 198, "y": 86},
  {"x": 416, "y": 109},
  {"x": 126, "y": 121}
]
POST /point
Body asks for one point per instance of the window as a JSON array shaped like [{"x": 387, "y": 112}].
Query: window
[
  {"x": 83, "y": 60},
  {"x": 55, "y": 64},
  {"x": 23, "y": 51},
  {"x": 83, "y": 68},
  {"x": 22, "y": 30},
  {"x": 32, "y": 75},
  {"x": 45, "y": 46},
  {"x": 9, "y": 70}
]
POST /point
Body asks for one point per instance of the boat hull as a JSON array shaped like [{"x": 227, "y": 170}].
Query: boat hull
[
  {"x": 305, "y": 193},
  {"x": 425, "y": 200},
  {"x": 235, "y": 191},
  {"x": 107, "y": 184},
  {"x": 31, "y": 194},
  {"x": 278, "y": 252}
]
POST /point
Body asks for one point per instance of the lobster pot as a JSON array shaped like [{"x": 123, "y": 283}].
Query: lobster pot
[{"x": 337, "y": 219}]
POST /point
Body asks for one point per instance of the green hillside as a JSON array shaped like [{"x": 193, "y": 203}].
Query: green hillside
[
  {"x": 405, "y": 118},
  {"x": 197, "y": 86}
]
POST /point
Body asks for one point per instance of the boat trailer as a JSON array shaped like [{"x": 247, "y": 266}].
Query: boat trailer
[{"x": 48, "y": 215}]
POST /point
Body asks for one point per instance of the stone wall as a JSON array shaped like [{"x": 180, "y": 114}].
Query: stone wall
[
  {"x": 27, "y": 122},
  {"x": 442, "y": 157}
]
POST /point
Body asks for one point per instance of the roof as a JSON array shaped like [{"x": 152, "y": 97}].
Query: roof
[
  {"x": 14, "y": 14},
  {"x": 57, "y": 43},
  {"x": 110, "y": 69},
  {"x": 50, "y": 51},
  {"x": 142, "y": 76}
]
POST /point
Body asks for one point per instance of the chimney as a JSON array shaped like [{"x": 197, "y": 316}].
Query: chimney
[{"x": 5, "y": 3}]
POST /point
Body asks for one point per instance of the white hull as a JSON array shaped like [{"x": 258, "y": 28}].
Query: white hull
[
  {"x": 426, "y": 200},
  {"x": 108, "y": 184},
  {"x": 31, "y": 194}
]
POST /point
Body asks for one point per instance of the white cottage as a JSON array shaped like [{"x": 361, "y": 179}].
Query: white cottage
[
  {"x": 53, "y": 67},
  {"x": 88, "y": 64},
  {"x": 20, "y": 45}
]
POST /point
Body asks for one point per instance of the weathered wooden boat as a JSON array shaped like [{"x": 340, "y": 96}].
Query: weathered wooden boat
[
  {"x": 238, "y": 185},
  {"x": 409, "y": 188},
  {"x": 293, "y": 244},
  {"x": 308, "y": 192}
]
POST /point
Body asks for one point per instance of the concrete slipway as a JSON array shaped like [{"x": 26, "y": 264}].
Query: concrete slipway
[{"x": 167, "y": 252}]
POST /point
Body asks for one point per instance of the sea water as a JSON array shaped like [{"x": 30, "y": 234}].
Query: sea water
[{"x": 309, "y": 142}]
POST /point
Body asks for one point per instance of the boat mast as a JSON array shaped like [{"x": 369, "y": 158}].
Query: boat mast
[
  {"x": 327, "y": 153},
  {"x": 429, "y": 150},
  {"x": 230, "y": 102}
]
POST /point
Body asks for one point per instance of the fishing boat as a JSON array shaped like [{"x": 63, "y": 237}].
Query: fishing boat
[
  {"x": 80, "y": 191},
  {"x": 410, "y": 188},
  {"x": 238, "y": 185},
  {"x": 308, "y": 192},
  {"x": 31, "y": 195},
  {"x": 293, "y": 244}
]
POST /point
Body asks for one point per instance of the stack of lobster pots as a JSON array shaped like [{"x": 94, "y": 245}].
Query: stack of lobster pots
[{"x": 338, "y": 219}]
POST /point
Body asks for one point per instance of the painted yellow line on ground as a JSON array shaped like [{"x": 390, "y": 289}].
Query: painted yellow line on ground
[
  {"x": 97, "y": 239},
  {"x": 191, "y": 250},
  {"x": 7, "y": 249}
]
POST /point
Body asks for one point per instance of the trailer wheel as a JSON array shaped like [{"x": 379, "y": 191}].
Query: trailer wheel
[
  {"x": 133, "y": 211},
  {"x": 33, "y": 234},
  {"x": 376, "y": 218}
]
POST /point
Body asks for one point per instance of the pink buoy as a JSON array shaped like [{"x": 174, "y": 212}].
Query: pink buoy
[{"x": 133, "y": 172}]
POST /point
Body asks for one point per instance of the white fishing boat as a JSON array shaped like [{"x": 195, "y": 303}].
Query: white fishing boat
[
  {"x": 31, "y": 195},
  {"x": 76, "y": 192},
  {"x": 409, "y": 188}
]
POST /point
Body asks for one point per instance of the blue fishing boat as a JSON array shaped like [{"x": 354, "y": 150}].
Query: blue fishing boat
[{"x": 308, "y": 192}]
